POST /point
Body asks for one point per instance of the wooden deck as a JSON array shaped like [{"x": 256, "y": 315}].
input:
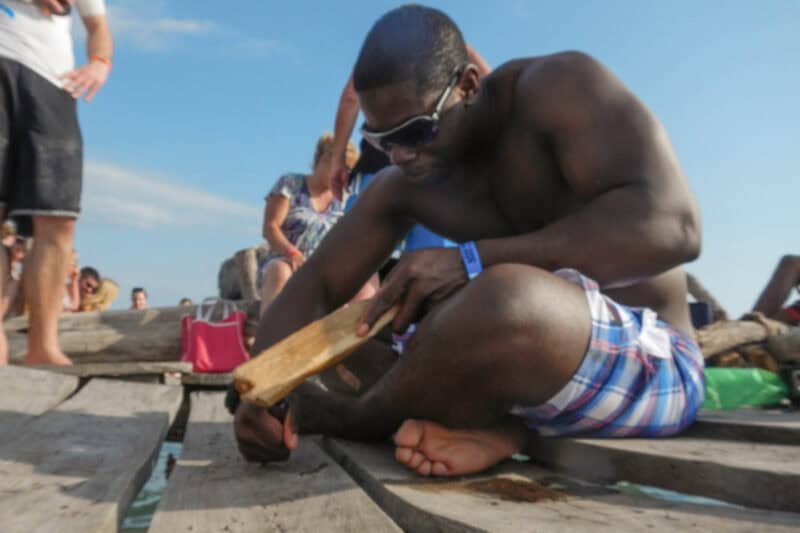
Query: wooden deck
[{"x": 76, "y": 449}]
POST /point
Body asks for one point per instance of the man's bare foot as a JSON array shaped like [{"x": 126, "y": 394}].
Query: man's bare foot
[
  {"x": 432, "y": 449},
  {"x": 3, "y": 348},
  {"x": 52, "y": 358}
]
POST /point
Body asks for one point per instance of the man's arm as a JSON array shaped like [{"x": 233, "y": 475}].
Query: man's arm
[
  {"x": 89, "y": 79},
  {"x": 638, "y": 217},
  {"x": 346, "y": 115}
]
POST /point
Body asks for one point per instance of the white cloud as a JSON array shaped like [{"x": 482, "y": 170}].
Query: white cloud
[
  {"x": 128, "y": 197},
  {"x": 147, "y": 27}
]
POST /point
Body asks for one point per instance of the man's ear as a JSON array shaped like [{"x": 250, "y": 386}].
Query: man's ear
[{"x": 470, "y": 84}]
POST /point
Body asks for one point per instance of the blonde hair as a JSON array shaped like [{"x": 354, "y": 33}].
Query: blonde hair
[{"x": 325, "y": 144}]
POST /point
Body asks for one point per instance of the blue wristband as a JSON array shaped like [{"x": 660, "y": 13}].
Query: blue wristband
[{"x": 471, "y": 259}]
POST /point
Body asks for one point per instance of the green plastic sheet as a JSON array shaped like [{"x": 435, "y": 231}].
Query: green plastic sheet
[{"x": 729, "y": 388}]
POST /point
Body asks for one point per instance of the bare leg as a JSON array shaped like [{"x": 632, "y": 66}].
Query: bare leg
[
  {"x": 432, "y": 449},
  {"x": 785, "y": 277},
  {"x": 368, "y": 290},
  {"x": 276, "y": 274},
  {"x": 4, "y": 298},
  {"x": 45, "y": 272},
  {"x": 513, "y": 336}
]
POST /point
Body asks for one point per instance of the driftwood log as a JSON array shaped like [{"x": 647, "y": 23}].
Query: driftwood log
[
  {"x": 117, "y": 336},
  {"x": 754, "y": 341}
]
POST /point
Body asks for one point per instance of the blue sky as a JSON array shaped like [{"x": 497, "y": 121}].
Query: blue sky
[{"x": 209, "y": 102}]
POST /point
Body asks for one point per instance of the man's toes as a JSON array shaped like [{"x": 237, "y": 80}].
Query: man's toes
[
  {"x": 416, "y": 460},
  {"x": 424, "y": 468},
  {"x": 438, "y": 468},
  {"x": 409, "y": 435},
  {"x": 403, "y": 455}
]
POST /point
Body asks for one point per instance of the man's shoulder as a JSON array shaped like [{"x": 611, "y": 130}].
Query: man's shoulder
[
  {"x": 553, "y": 70},
  {"x": 386, "y": 190}
]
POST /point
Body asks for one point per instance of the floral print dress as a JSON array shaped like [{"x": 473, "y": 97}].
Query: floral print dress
[{"x": 304, "y": 227}]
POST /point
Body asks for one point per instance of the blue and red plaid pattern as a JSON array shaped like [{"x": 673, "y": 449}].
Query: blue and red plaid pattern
[{"x": 640, "y": 376}]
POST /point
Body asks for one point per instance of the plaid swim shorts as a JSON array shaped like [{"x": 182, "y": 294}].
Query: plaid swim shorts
[{"x": 640, "y": 376}]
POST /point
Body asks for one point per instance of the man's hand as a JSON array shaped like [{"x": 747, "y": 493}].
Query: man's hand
[
  {"x": 338, "y": 174},
  {"x": 87, "y": 80},
  {"x": 260, "y": 435},
  {"x": 49, "y": 7},
  {"x": 420, "y": 280},
  {"x": 296, "y": 261}
]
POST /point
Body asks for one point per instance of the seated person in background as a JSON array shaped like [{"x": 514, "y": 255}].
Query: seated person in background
[
  {"x": 300, "y": 209},
  {"x": 185, "y": 302},
  {"x": 772, "y": 299},
  {"x": 138, "y": 298},
  {"x": 97, "y": 294}
]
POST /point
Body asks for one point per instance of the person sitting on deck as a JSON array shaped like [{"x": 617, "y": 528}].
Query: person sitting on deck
[
  {"x": 772, "y": 298},
  {"x": 300, "y": 209},
  {"x": 138, "y": 298},
  {"x": 563, "y": 311},
  {"x": 97, "y": 294}
]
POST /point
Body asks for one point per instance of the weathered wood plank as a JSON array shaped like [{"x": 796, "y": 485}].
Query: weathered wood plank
[
  {"x": 86, "y": 370},
  {"x": 124, "y": 319},
  {"x": 754, "y": 425},
  {"x": 27, "y": 393},
  {"x": 116, "y": 336},
  {"x": 521, "y": 497},
  {"x": 751, "y": 474},
  {"x": 77, "y": 468},
  {"x": 213, "y": 489},
  {"x": 216, "y": 380}
]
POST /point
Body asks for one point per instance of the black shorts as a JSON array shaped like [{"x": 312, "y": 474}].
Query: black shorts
[{"x": 41, "y": 149}]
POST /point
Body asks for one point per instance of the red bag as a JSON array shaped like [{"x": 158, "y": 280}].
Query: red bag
[{"x": 214, "y": 346}]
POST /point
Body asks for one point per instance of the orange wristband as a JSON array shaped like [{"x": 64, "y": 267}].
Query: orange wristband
[
  {"x": 101, "y": 59},
  {"x": 291, "y": 251}
]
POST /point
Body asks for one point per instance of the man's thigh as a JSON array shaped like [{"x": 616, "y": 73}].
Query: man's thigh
[{"x": 49, "y": 150}]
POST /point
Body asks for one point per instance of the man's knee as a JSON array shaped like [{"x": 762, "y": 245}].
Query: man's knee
[{"x": 58, "y": 230}]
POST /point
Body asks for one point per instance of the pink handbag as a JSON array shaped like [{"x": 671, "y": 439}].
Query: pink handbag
[{"x": 214, "y": 346}]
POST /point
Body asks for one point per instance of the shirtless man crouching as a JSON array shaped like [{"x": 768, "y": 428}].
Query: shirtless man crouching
[{"x": 563, "y": 312}]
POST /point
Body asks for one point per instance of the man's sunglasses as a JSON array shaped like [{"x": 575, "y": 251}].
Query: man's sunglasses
[{"x": 417, "y": 131}]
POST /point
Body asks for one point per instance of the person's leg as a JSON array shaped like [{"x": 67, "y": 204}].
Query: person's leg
[
  {"x": 4, "y": 297},
  {"x": 276, "y": 274},
  {"x": 368, "y": 290},
  {"x": 785, "y": 277},
  {"x": 45, "y": 272},
  {"x": 513, "y": 336}
]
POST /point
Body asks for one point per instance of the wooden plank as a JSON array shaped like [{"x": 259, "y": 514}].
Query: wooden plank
[
  {"x": 124, "y": 319},
  {"x": 755, "y": 425},
  {"x": 77, "y": 468},
  {"x": 275, "y": 372},
  {"x": 517, "y": 497},
  {"x": 211, "y": 380},
  {"x": 213, "y": 489},
  {"x": 116, "y": 336},
  {"x": 86, "y": 370},
  {"x": 26, "y": 394},
  {"x": 750, "y": 474}
]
